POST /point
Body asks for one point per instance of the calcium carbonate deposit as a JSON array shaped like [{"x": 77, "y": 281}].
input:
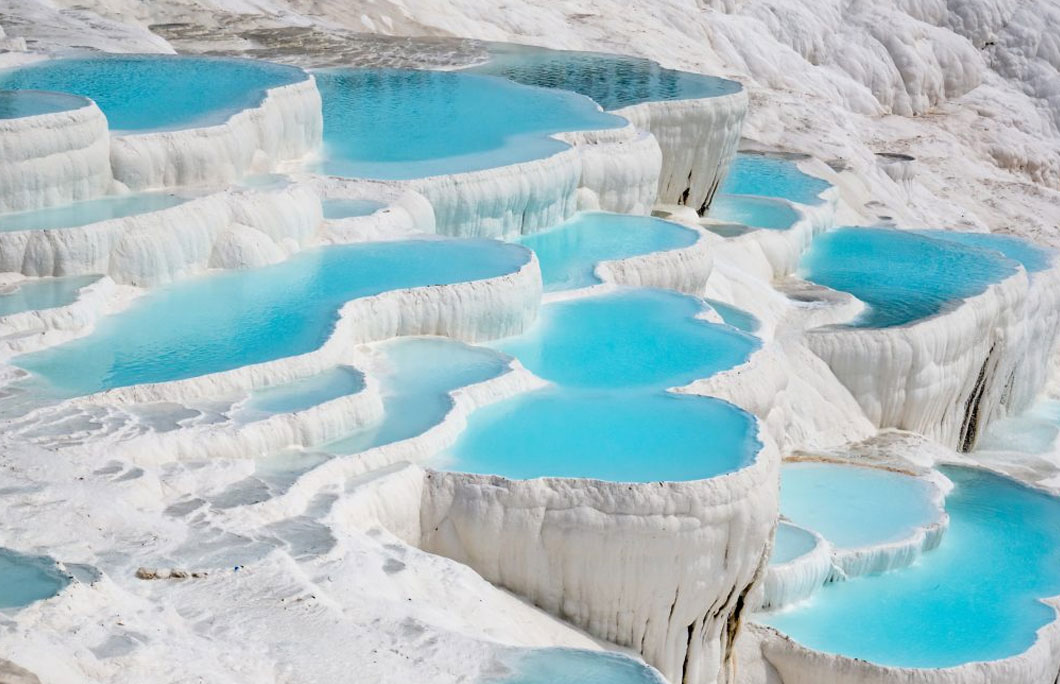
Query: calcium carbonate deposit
[{"x": 591, "y": 342}]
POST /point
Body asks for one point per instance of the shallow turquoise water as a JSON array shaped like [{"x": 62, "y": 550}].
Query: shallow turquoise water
[
  {"x": 756, "y": 212},
  {"x": 421, "y": 371},
  {"x": 791, "y": 542},
  {"x": 1033, "y": 257},
  {"x": 346, "y": 208},
  {"x": 761, "y": 174},
  {"x": 613, "y": 81},
  {"x": 851, "y": 506},
  {"x": 25, "y": 579},
  {"x": 1034, "y": 431},
  {"x": 43, "y": 293},
  {"x": 571, "y": 666},
  {"x": 620, "y": 437},
  {"x": 231, "y": 319},
  {"x": 401, "y": 124},
  {"x": 973, "y": 598},
  {"x": 89, "y": 211},
  {"x": 628, "y": 339},
  {"x": 17, "y": 104},
  {"x": 903, "y": 276},
  {"x": 157, "y": 92},
  {"x": 307, "y": 392},
  {"x": 570, "y": 252},
  {"x": 737, "y": 318}
]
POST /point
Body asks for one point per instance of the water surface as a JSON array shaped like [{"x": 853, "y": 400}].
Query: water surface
[
  {"x": 769, "y": 176},
  {"x": 89, "y": 211}
]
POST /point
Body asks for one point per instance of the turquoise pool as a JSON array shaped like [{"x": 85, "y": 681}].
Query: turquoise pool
[
  {"x": 15, "y": 104},
  {"x": 1033, "y": 257},
  {"x": 570, "y": 252},
  {"x": 768, "y": 176},
  {"x": 140, "y": 93},
  {"x": 902, "y": 276},
  {"x": 226, "y": 320},
  {"x": 754, "y": 212},
  {"x": 397, "y": 124},
  {"x": 572, "y": 666},
  {"x": 734, "y": 316},
  {"x": 43, "y": 293},
  {"x": 974, "y": 598},
  {"x": 791, "y": 542},
  {"x": 25, "y": 579},
  {"x": 349, "y": 208},
  {"x": 90, "y": 211},
  {"x": 613, "y": 81},
  {"x": 305, "y": 393}
]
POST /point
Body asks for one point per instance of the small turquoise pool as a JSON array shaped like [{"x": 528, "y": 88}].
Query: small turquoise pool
[
  {"x": 89, "y": 211},
  {"x": 754, "y": 212},
  {"x": 1033, "y": 257},
  {"x": 791, "y": 542},
  {"x": 25, "y": 579},
  {"x": 628, "y": 339},
  {"x": 572, "y": 666},
  {"x": 570, "y": 252},
  {"x": 736, "y": 317},
  {"x": 43, "y": 293},
  {"x": 973, "y": 598},
  {"x": 394, "y": 124},
  {"x": 420, "y": 372},
  {"x": 613, "y": 81},
  {"x": 768, "y": 176},
  {"x": 15, "y": 104},
  {"x": 226, "y": 320},
  {"x": 349, "y": 208},
  {"x": 852, "y": 506},
  {"x": 140, "y": 93},
  {"x": 902, "y": 276},
  {"x": 307, "y": 392}
]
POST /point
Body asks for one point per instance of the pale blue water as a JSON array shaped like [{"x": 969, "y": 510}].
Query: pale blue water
[
  {"x": 761, "y": 174},
  {"x": 347, "y": 208},
  {"x": 307, "y": 392},
  {"x": 1033, "y": 257},
  {"x": 620, "y": 437},
  {"x": 628, "y": 339},
  {"x": 570, "y": 252},
  {"x": 756, "y": 212},
  {"x": 400, "y": 124},
  {"x": 903, "y": 276},
  {"x": 791, "y": 542},
  {"x": 737, "y": 318},
  {"x": 43, "y": 293},
  {"x": 973, "y": 598},
  {"x": 852, "y": 506},
  {"x": 15, "y": 104},
  {"x": 1034, "y": 431},
  {"x": 571, "y": 666},
  {"x": 421, "y": 371},
  {"x": 613, "y": 81},
  {"x": 157, "y": 92},
  {"x": 89, "y": 211},
  {"x": 25, "y": 579},
  {"x": 226, "y": 320}
]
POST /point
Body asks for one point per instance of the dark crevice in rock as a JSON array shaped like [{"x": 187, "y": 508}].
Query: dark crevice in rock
[{"x": 970, "y": 426}]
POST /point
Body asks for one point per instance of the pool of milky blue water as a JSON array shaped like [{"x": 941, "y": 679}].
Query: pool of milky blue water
[
  {"x": 754, "y": 212},
  {"x": 43, "y": 293},
  {"x": 853, "y": 506},
  {"x": 25, "y": 579},
  {"x": 89, "y": 211},
  {"x": 349, "y": 208},
  {"x": 396, "y": 124},
  {"x": 903, "y": 276},
  {"x": 305, "y": 393},
  {"x": 769, "y": 176},
  {"x": 141, "y": 93},
  {"x": 1033, "y": 257},
  {"x": 569, "y": 252},
  {"x": 15, "y": 104},
  {"x": 1033, "y": 431},
  {"x": 791, "y": 542},
  {"x": 230, "y": 319},
  {"x": 573, "y": 666},
  {"x": 613, "y": 81},
  {"x": 973, "y": 598}
]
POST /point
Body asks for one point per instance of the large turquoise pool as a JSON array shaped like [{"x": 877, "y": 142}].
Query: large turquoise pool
[
  {"x": 570, "y": 252},
  {"x": 400, "y": 124},
  {"x": 90, "y": 211},
  {"x": 25, "y": 579},
  {"x": 974, "y": 598},
  {"x": 1033, "y": 257},
  {"x": 140, "y": 93},
  {"x": 768, "y": 176},
  {"x": 231, "y": 319},
  {"x": 902, "y": 276},
  {"x": 614, "y": 81},
  {"x": 15, "y": 104}
]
